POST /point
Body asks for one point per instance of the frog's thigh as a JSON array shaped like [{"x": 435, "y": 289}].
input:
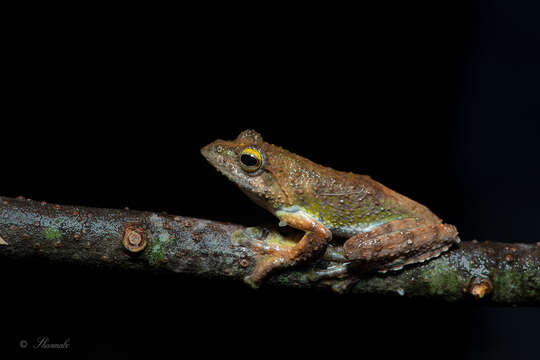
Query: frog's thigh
[{"x": 396, "y": 248}]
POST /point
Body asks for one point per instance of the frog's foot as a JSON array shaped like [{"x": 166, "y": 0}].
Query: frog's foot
[
  {"x": 271, "y": 253},
  {"x": 265, "y": 264},
  {"x": 343, "y": 286},
  {"x": 331, "y": 272},
  {"x": 276, "y": 250},
  {"x": 335, "y": 254}
]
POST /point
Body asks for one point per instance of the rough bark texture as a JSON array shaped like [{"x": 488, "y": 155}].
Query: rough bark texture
[{"x": 492, "y": 272}]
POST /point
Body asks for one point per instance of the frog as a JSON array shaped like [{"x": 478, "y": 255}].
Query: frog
[{"x": 383, "y": 230}]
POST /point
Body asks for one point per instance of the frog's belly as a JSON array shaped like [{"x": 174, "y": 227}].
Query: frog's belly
[
  {"x": 351, "y": 229},
  {"x": 342, "y": 224}
]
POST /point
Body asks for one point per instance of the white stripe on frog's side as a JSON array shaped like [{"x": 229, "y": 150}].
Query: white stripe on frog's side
[{"x": 345, "y": 231}]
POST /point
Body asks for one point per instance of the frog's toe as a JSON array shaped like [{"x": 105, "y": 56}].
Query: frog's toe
[
  {"x": 265, "y": 265},
  {"x": 312, "y": 275},
  {"x": 252, "y": 282},
  {"x": 263, "y": 248},
  {"x": 331, "y": 272},
  {"x": 316, "y": 275},
  {"x": 244, "y": 238},
  {"x": 343, "y": 286},
  {"x": 242, "y": 241}
]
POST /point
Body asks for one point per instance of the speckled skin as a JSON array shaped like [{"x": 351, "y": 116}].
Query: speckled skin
[{"x": 385, "y": 229}]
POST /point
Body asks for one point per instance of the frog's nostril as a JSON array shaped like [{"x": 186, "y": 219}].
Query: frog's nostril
[{"x": 212, "y": 149}]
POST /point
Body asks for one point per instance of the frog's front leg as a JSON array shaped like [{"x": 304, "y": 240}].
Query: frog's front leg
[{"x": 311, "y": 246}]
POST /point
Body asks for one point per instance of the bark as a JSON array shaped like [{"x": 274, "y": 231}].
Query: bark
[{"x": 496, "y": 273}]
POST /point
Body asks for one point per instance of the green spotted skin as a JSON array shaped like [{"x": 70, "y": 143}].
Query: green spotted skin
[
  {"x": 347, "y": 203},
  {"x": 346, "y": 215}
]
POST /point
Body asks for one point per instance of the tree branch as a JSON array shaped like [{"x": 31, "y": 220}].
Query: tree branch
[{"x": 493, "y": 272}]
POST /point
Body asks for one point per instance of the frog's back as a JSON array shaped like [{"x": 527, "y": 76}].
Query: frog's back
[{"x": 348, "y": 203}]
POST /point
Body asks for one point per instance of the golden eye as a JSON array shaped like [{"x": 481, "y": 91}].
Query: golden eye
[{"x": 251, "y": 159}]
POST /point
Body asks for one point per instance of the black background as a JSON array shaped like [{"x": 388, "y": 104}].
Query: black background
[{"x": 440, "y": 103}]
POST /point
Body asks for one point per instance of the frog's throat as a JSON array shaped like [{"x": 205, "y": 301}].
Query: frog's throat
[{"x": 269, "y": 201}]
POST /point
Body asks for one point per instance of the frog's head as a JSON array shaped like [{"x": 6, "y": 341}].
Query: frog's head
[{"x": 252, "y": 164}]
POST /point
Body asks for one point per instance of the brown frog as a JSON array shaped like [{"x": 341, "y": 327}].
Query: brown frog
[{"x": 384, "y": 230}]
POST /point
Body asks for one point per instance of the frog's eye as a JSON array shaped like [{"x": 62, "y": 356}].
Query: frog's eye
[{"x": 251, "y": 159}]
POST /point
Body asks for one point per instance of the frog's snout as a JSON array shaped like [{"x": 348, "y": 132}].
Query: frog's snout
[
  {"x": 206, "y": 150},
  {"x": 216, "y": 152},
  {"x": 218, "y": 156}
]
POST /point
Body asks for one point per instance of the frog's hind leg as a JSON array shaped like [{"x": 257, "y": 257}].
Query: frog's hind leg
[
  {"x": 398, "y": 243},
  {"x": 333, "y": 271},
  {"x": 337, "y": 265},
  {"x": 312, "y": 245}
]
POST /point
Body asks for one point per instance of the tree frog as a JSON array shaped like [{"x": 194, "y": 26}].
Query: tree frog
[{"x": 384, "y": 230}]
